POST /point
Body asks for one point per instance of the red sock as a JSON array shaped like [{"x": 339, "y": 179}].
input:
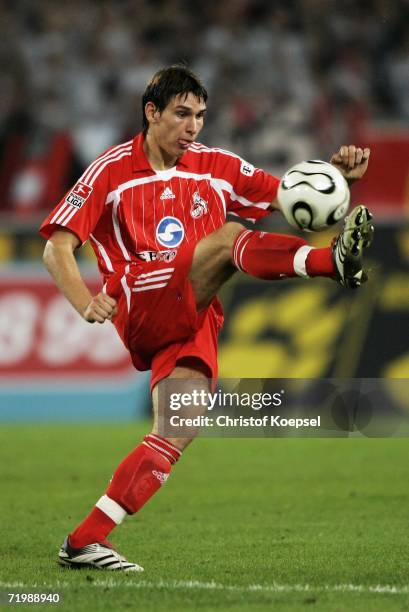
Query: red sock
[
  {"x": 94, "y": 528},
  {"x": 320, "y": 262},
  {"x": 274, "y": 256},
  {"x": 134, "y": 482}
]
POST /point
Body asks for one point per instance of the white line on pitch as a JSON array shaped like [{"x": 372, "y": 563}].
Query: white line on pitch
[{"x": 217, "y": 586}]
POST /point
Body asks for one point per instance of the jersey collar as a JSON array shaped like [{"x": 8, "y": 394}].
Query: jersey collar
[{"x": 140, "y": 162}]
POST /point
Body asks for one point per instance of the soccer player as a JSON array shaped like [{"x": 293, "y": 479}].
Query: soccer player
[{"x": 155, "y": 210}]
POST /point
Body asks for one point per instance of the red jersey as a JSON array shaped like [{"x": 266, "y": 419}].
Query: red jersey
[{"x": 132, "y": 213}]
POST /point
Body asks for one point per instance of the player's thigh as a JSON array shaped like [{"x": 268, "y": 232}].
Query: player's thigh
[
  {"x": 186, "y": 380},
  {"x": 212, "y": 263}
]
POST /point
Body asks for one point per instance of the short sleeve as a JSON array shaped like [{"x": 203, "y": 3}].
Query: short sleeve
[
  {"x": 81, "y": 207},
  {"x": 250, "y": 190}
]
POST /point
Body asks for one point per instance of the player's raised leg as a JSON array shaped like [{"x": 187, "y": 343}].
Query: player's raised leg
[
  {"x": 276, "y": 256},
  {"x": 137, "y": 478}
]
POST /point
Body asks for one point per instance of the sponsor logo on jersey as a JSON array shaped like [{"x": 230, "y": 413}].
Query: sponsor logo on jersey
[
  {"x": 170, "y": 232},
  {"x": 79, "y": 195},
  {"x": 161, "y": 476},
  {"x": 167, "y": 194},
  {"x": 199, "y": 206},
  {"x": 247, "y": 169},
  {"x": 166, "y": 256}
]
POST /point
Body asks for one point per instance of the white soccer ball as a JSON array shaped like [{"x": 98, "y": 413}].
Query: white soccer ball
[{"x": 313, "y": 195}]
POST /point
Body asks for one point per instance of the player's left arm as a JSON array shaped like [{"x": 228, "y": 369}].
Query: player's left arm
[{"x": 351, "y": 161}]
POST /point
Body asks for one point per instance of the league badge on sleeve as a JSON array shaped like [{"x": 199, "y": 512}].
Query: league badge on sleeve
[
  {"x": 170, "y": 232},
  {"x": 79, "y": 194},
  {"x": 247, "y": 169}
]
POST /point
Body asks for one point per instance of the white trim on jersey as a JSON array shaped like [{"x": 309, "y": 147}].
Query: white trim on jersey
[
  {"x": 155, "y": 272},
  {"x": 149, "y": 280},
  {"x": 69, "y": 217},
  {"x": 65, "y": 212},
  {"x": 218, "y": 184},
  {"x": 118, "y": 149},
  {"x": 103, "y": 252},
  {"x": 117, "y": 229},
  {"x": 126, "y": 288},
  {"x": 166, "y": 175},
  {"x": 108, "y": 160},
  {"x": 153, "y": 279},
  {"x": 197, "y": 147},
  {"x": 220, "y": 193},
  {"x": 62, "y": 213},
  {"x": 149, "y": 287},
  {"x": 226, "y": 186},
  {"x": 150, "y": 179}
]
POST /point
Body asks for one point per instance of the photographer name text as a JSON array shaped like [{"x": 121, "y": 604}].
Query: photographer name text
[{"x": 252, "y": 421}]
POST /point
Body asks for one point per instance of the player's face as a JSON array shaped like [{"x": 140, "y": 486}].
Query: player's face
[{"x": 179, "y": 124}]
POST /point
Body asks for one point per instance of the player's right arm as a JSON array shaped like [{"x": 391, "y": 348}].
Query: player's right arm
[{"x": 60, "y": 262}]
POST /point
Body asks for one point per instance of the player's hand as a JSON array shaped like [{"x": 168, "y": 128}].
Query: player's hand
[
  {"x": 100, "y": 308},
  {"x": 351, "y": 161}
]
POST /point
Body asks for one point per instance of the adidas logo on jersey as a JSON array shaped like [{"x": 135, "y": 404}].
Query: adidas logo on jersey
[
  {"x": 167, "y": 194},
  {"x": 161, "y": 476}
]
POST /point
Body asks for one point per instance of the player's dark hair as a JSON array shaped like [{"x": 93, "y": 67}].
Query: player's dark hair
[{"x": 176, "y": 80}]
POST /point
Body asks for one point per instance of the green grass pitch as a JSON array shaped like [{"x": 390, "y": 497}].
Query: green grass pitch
[{"x": 242, "y": 524}]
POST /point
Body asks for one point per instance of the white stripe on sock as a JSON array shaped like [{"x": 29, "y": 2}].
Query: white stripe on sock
[
  {"x": 238, "y": 245},
  {"x": 169, "y": 444},
  {"x": 111, "y": 509},
  {"x": 300, "y": 259}
]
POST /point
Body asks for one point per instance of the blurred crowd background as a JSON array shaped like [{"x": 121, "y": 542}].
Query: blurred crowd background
[{"x": 287, "y": 80}]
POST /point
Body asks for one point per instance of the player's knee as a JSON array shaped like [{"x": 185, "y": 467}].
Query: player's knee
[
  {"x": 226, "y": 236},
  {"x": 298, "y": 243},
  {"x": 232, "y": 229}
]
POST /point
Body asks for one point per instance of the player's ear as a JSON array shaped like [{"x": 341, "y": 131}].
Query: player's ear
[{"x": 151, "y": 112}]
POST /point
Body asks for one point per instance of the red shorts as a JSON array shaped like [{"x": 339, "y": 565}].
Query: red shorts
[{"x": 157, "y": 317}]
